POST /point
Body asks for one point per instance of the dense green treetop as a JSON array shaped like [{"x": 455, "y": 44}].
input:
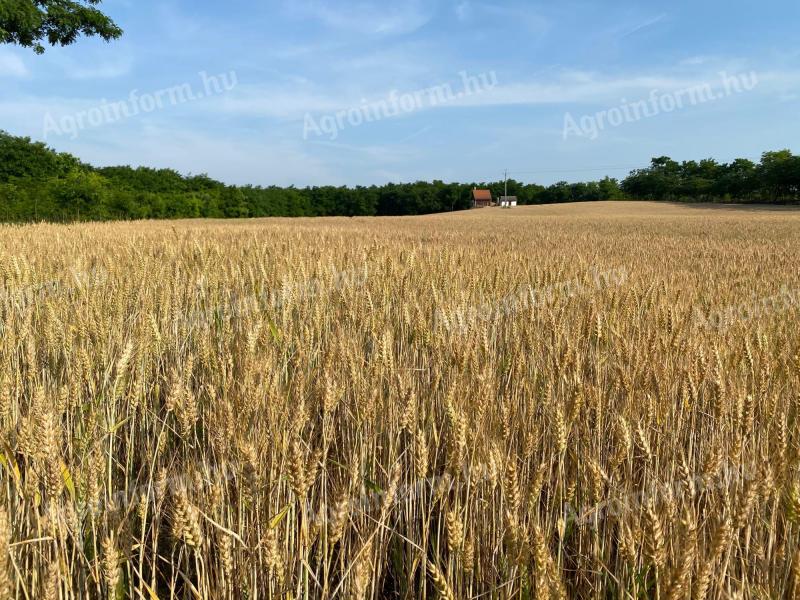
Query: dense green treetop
[{"x": 30, "y": 23}]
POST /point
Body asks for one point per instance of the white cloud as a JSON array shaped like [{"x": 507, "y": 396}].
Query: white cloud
[
  {"x": 99, "y": 71},
  {"x": 580, "y": 87},
  {"x": 11, "y": 65},
  {"x": 693, "y": 61},
  {"x": 565, "y": 87}
]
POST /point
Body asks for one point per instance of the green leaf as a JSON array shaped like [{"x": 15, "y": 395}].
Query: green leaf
[
  {"x": 10, "y": 464},
  {"x": 372, "y": 486},
  {"x": 118, "y": 425},
  {"x": 276, "y": 335},
  {"x": 66, "y": 476},
  {"x": 279, "y": 517}
]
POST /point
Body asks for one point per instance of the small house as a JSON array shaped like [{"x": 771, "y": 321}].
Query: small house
[
  {"x": 481, "y": 198},
  {"x": 508, "y": 201}
]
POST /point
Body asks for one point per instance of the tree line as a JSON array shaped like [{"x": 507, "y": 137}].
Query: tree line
[
  {"x": 37, "y": 183},
  {"x": 775, "y": 179}
]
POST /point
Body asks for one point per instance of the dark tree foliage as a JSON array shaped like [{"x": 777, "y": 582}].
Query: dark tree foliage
[
  {"x": 29, "y": 23},
  {"x": 21, "y": 158},
  {"x": 37, "y": 183},
  {"x": 776, "y": 179}
]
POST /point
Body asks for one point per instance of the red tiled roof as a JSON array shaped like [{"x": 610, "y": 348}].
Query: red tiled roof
[{"x": 482, "y": 195}]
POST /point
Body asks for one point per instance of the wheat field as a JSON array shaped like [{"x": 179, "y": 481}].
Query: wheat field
[{"x": 570, "y": 401}]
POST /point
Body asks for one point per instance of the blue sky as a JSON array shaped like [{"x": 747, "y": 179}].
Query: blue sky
[{"x": 293, "y": 65}]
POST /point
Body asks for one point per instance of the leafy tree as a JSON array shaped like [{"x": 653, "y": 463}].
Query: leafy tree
[
  {"x": 19, "y": 157},
  {"x": 608, "y": 189},
  {"x": 234, "y": 203},
  {"x": 82, "y": 195},
  {"x": 737, "y": 180},
  {"x": 558, "y": 192},
  {"x": 697, "y": 180},
  {"x": 778, "y": 172},
  {"x": 28, "y": 23}
]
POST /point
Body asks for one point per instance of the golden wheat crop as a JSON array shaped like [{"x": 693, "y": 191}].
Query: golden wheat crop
[{"x": 579, "y": 401}]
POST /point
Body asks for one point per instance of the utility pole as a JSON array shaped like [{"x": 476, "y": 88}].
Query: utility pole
[{"x": 505, "y": 175}]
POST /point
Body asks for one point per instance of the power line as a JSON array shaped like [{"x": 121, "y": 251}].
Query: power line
[
  {"x": 514, "y": 172},
  {"x": 581, "y": 170},
  {"x": 508, "y": 172}
]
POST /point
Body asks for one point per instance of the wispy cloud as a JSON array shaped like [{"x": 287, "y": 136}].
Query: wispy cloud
[
  {"x": 103, "y": 70},
  {"x": 521, "y": 15},
  {"x": 176, "y": 23},
  {"x": 693, "y": 61},
  {"x": 592, "y": 88},
  {"x": 264, "y": 161},
  {"x": 12, "y": 65},
  {"x": 463, "y": 10},
  {"x": 290, "y": 102},
  {"x": 416, "y": 134},
  {"x": 387, "y": 153},
  {"x": 369, "y": 18},
  {"x": 644, "y": 25}
]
